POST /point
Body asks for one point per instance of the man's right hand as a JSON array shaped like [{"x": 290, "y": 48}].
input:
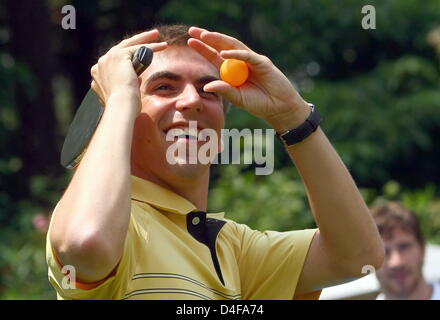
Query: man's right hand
[{"x": 114, "y": 71}]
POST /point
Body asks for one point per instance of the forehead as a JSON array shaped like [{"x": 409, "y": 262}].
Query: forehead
[
  {"x": 397, "y": 236},
  {"x": 181, "y": 60}
]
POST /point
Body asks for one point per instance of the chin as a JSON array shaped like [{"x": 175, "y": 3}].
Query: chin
[{"x": 183, "y": 169}]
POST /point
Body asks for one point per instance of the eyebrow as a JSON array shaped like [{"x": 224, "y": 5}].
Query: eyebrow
[
  {"x": 164, "y": 75},
  {"x": 174, "y": 76}
]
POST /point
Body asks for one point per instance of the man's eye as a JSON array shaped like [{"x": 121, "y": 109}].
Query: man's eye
[
  {"x": 163, "y": 87},
  {"x": 214, "y": 94},
  {"x": 209, "y": 94}
]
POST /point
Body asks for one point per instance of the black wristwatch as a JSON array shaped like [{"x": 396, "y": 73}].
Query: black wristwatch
[{"x": 298, "y": 134}]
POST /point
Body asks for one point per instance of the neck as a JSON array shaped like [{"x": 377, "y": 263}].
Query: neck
[{"x": 194, "y": 189}]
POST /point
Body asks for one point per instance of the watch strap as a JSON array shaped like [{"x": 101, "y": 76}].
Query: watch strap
[{"x": 301, "y": 132}]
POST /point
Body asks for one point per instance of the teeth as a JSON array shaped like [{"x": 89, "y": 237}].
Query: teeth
[{"x": 184, "y": 132}]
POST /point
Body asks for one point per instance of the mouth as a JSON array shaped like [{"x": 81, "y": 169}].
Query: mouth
[
  {"x": 183, "y": 131},
  {"x": 399, "y": 276}
]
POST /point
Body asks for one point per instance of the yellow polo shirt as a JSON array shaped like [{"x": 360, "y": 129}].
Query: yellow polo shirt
[{"x": 175, "y": 252}]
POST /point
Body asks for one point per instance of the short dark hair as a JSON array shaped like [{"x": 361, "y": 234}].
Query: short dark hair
[
  {"x": 173, "y": 34},
  {"x": 394, "y": 215}
]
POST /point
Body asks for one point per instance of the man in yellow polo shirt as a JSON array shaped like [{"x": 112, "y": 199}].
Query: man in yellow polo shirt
[{"x": 131, "y": 225}]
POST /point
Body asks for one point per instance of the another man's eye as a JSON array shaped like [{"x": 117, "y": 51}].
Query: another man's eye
[{"x": 404, "y": 247}]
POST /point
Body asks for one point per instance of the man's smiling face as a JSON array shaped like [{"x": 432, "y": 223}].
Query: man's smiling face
[{"x": 172, "y": 95}]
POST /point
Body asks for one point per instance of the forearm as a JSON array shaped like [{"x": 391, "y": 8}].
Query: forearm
[
  {"x": 345, "y": 223},
  {"x": 96, "y": 205}
]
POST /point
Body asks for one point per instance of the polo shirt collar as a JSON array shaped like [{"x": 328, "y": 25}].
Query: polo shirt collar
[{"x": 159, "y": 197}]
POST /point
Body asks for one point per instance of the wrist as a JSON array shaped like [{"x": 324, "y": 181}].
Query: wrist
[
  {"x": 290, "y": 119},
  {"x": 128, "y": 100},
  {"x": 125, "y": 92},
  {"x": 301, "y": 132}
]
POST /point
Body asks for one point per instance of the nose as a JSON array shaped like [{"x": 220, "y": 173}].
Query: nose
[
  {"x": 190, "y": 100},
  {"x": 394, "y": 259}
]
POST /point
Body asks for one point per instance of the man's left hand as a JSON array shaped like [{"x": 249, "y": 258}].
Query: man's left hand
[{"x": 267, "y": 93}]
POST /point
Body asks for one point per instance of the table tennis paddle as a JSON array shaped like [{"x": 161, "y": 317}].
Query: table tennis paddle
[{"x": 88, "y": 115}]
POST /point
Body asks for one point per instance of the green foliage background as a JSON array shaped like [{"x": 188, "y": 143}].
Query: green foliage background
[{"x": 378, "y": 92}]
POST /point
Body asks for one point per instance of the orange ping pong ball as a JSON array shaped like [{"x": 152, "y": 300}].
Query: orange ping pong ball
[{"x": 235, "y": 72}]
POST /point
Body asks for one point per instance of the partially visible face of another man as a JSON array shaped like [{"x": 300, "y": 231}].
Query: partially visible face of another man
[{"x": 401, "y": 271}]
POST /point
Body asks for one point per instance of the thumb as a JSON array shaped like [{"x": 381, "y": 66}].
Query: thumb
[{"x": 225, "y": 89}]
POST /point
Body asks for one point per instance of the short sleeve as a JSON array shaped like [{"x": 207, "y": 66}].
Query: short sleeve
[
  {"x": 271, "y": 263},
  {"x": 110, "y": 288}
]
